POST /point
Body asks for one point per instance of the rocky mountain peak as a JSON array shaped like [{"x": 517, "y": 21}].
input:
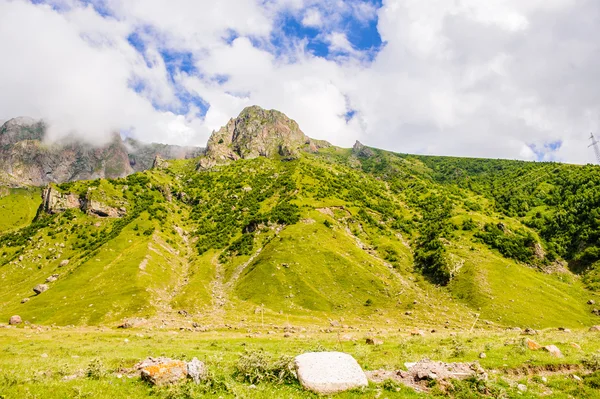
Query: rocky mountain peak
[
  {"x": 255, "y": 132},
  {"x": 19, "y": 129},
  {"x": 362, "y": 151}
]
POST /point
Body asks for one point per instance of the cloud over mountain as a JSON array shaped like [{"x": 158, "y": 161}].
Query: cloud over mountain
[{"x": 502, "y": 78}]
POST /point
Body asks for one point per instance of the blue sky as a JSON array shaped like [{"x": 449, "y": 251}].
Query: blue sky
[{"x": 466, "y": 78}]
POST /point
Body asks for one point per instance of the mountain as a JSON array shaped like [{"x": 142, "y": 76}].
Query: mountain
[
  {"x": 27, "y": 160},
  {"x": 274, "y": 223}
]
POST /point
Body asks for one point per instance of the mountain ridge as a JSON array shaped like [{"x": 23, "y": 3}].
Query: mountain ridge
[
  {"x": 308, "y": 233},
  {"x": 27, "y": 160}
]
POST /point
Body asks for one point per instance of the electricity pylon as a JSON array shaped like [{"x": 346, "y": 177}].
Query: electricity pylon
[{"x": 596, "y": 148}]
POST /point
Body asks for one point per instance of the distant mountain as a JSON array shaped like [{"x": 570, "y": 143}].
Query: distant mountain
[
  {"x": 26, "y": 160},
  {"x": 272, "y": 223}
]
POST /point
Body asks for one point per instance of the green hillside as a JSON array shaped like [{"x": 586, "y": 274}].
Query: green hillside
[{"x": 363, "y": 236}]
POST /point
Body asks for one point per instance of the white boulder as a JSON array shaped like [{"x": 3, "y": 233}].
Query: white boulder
[{"x": 329, "y": 372}]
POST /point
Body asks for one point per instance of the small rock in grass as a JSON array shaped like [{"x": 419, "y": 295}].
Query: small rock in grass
[
  {"x": 14, "y": 320},
  {"x": 162, "y": 371},
  {"x": 24, "y": 300},
  {"x": 522, "y": 388},
  {"x": 591, "y": 302},
  {"x": 63, "y": 263},
  {"x": 482, "y": 355},
  {"x": 196, "y": 370},
  {"x": 576, "y": 377},
  {"x": 529, "y": 331},
  {"x": 595, "y": 328},
  {"x": 531, "y": 344},
  {"x": 38, "y": 289},
  {"x": 576, "y": 346},
  {"x": 553, "y": 350},
  {"x": 373, "y": 341}
]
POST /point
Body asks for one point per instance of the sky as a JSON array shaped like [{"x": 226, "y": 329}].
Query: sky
[{"x": 516, "y": 79}]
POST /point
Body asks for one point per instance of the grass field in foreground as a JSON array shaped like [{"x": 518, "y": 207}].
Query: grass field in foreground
[{"x": 34, "y": 363}]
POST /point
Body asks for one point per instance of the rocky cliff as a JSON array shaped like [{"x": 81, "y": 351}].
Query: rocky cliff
[
  {"x": 54, "y": 201},
  {"x": 257, "y": 132},
  {"x": 26, "y": 160}
]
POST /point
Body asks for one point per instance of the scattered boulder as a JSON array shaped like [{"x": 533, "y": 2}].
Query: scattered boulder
[
  {"x": 529, "y": 331},
  {"x": 52, "y": 278},
  {"x": 591, "y": 302},
  {"x": 328, "y": 373},
  {"x": 531, "y": 344},
  {"x": 14, "y": 320},
  {"x": 125, "y": 324},
  {"x": 417, "y": 333},
  {"x": 63, "y": 263},
  {"x": 196, "y": 370},
  {"x": 38, "y": 289},
  {"x": 374, "y": 341},
  {"x": 24, "y": 300},
  {"x": 553, "y": 350},
  {"x": 162, "y": 371},
  {"x": 596, "y": 312},
  {"x": 576, "y": 346},
  {"x": 482, "y": 355},
  {"x": 421, "y": 373},
  {"x": 522, "y": 388},
  {"x": 595, "y": 328}
]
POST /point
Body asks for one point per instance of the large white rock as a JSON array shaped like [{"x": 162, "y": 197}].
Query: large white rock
[{"x": 329, "y": 372}]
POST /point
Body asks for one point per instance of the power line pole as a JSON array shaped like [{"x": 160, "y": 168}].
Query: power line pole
[{"x": 596, "y": 148}]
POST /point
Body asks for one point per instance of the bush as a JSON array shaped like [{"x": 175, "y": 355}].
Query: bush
[
  {"x": 285, "y": 213},
  {"x": 516, "y": 245},
  {"x": 95, "y": 370},
  {"x": 256, "y": 366}
]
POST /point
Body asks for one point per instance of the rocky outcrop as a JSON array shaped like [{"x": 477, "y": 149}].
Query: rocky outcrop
[
  {"x": 362, "y": 151},
  {"x": 98, "y": 208},
  {"x": 159, "y": 163},
  {"x": 54, "y": 201},
  {"x": 254, "y": 133},
  {"x": 26, "y": 159},
  {"x": 327, "y": 373}
]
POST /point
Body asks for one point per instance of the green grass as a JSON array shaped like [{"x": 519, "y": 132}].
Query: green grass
[
  {"x": 24, "y": 372},
  {"x": 18, "y": 207}
]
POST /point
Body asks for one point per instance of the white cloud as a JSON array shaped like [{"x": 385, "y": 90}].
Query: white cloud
[
  {"x": 312, "y": 18},
  {"x": 498, "y": 78}
]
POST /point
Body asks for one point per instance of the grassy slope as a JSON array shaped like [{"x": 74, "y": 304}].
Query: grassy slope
[
  {"x": 331, "y": 271},
  {"x": 18, "y": 207}
]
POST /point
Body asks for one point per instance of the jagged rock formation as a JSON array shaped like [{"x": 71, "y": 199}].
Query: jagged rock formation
[
  {"x": 257, "y": 132},
  {"x": 159, "y": 163},
  {"x": 362, "y": 151},
  {"x": 26, "y": 160},
  {"x": 53, "y": 201},
  {"x": 142, "y": 155}
]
